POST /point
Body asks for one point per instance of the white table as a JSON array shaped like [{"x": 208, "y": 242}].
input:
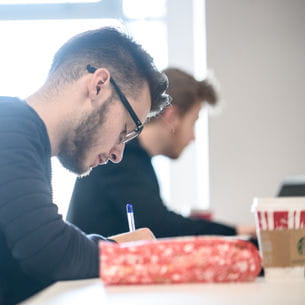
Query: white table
[{"x": 93, "y": 292}]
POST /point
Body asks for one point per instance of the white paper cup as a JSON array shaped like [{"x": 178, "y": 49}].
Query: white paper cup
[{"x": 280, "y": 224}]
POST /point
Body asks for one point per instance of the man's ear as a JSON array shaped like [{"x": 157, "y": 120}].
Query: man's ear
[
  {"x": 99, "y": 81},
  {"x": 170, "y": 117}
]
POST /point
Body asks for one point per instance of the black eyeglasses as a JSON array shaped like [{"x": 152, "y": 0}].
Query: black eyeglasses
[{"x": 139, "y": 126}]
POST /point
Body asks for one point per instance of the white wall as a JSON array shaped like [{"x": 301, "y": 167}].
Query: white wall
[{"x": 257, "y": 51}]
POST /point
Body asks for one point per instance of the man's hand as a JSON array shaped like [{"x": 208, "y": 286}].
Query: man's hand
[
  {"x": 140, "y": 234},
  {"x": 246, "y": 230}
]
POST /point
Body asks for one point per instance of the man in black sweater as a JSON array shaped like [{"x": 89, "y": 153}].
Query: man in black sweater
[
  {"x": 101, "y": 87},
  {"x": 98, "y": 200}
]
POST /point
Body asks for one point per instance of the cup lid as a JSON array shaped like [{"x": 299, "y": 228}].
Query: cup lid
[{"x": 278, "y": 203}]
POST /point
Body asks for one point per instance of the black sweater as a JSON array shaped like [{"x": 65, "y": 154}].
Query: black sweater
[
  {"x": 36, "y": 246},
  {"x": 98, "y": 200}
]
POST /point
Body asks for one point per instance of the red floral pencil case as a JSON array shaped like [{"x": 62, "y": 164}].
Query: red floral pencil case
[{"x": 179, "y": 260}]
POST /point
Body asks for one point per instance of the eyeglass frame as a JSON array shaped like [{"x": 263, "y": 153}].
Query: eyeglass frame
[{"x": 139, "y": 126}]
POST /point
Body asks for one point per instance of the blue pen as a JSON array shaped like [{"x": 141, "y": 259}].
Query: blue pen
[{"x": 130, "y": 217}]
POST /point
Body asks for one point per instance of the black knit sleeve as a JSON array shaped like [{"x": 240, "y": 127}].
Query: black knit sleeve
[{"x": 44, "y": 245}]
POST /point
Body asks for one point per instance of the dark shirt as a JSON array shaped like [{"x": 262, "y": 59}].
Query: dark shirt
[
  {"x": 36, "y": 246},
  {"x": 98, "y": 200}
]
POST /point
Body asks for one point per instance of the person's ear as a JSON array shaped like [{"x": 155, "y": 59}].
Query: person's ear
[
  {"x": 100, "y": 80},
  {"x": 170, "y": 118}
]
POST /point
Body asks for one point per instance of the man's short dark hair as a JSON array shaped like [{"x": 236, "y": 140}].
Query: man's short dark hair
[
  {"x": 129, "y": 64},
  {"x": 186, "y": 91}
]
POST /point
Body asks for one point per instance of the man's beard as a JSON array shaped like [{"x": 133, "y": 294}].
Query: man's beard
[{"x": 73, "y": 151}]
